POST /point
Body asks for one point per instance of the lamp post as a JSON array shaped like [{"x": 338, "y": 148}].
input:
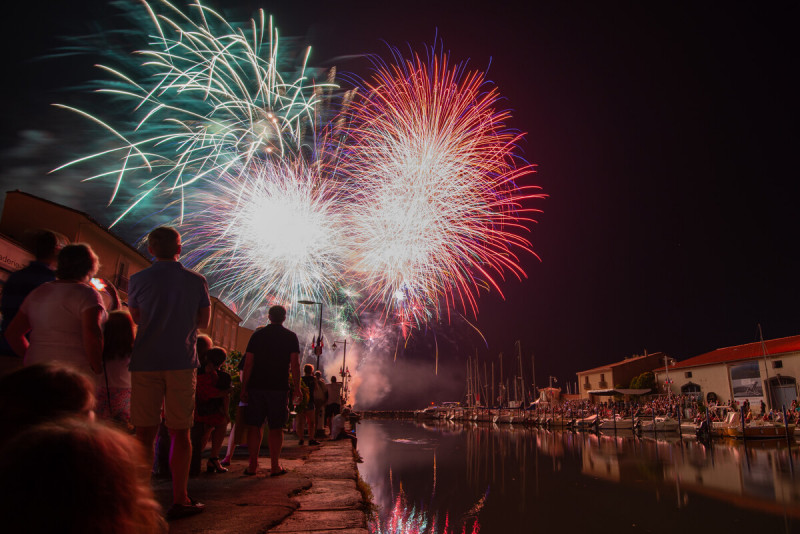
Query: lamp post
[
  {"x": 318, "y": 347},
  {"x": 552, "y": 379},
  {"x": 343, "y": 372}
]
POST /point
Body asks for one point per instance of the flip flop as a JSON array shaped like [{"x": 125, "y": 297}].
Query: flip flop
[
  {"x": 247, "y": 473},
  {"x": 278, "y": 473}
]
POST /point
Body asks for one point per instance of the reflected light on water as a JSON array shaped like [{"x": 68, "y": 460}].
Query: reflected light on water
[
  {"x": 405, "y": 518},
  {"x": 466, "y": 477}
]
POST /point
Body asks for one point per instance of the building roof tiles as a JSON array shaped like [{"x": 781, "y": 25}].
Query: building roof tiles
[{"x": 741, "y": 352}]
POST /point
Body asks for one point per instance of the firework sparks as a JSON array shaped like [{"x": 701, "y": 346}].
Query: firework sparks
[
  {"x": 267, "y": 235},
  {"x": 434, "y": 176},
  {"x": 406, "y": 204},
  {"x": 207, "y": 100}
]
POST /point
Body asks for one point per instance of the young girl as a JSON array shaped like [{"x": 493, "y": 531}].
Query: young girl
[
  {"x": 213, "y": 394},
  {"x": 114, "y": 385}
]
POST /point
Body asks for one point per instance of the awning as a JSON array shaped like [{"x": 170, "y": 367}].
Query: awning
[{"x": 620, "y": 391}]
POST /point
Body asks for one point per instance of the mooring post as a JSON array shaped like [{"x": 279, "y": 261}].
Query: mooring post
[
  {"x": 741, "y": 414},
  {"x": 614, "y": 416},
  {"x": 786, "y": 425}
]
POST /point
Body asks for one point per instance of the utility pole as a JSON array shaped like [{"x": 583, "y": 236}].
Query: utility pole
[{"x": 668, "y": 381}]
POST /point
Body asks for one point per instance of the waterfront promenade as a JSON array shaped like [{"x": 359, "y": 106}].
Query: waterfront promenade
[{"x": 319, "y": 494}]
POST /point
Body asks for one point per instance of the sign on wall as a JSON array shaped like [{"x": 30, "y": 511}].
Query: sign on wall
[
  {"x": 746, "y": 383},
  {"x": 13, "y": 257}
]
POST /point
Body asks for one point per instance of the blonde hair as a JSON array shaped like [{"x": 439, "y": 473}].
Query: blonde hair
[{"x": 96, "y": 475}]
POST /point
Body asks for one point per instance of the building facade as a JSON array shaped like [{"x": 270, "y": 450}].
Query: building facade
[
  {"x": 23, "y": 213},
  {"x": 761, "y": 371},
  {"x": 617, "y": 374}
]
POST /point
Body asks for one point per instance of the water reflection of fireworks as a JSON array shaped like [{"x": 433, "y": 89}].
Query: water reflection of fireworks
[{"x": 405, "y": 518}]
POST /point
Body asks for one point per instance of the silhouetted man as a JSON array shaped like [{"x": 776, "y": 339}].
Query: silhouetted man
[
  {"x": 271, "y": 351},
  {"x": 169, "y": 303}
]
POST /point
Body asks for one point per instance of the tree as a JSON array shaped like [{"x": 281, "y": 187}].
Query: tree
[{"x": 646, "y": 380}]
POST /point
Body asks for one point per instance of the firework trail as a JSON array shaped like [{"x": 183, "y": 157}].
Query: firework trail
[
  {"x": 207, "y": 99},
  {"x": 406, "y": 204},
  {"x": 436, "y": 208}
]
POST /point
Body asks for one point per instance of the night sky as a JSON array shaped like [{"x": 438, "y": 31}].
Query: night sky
[{"x": 665, "y": 137}]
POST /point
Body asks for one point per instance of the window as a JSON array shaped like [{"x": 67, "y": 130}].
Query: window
[
  {"x": 687, "y": 374},
  {"x": 602, "y": 377},
  {"x": 691, "y": 390},
  {"x": 777, "y": 364}
]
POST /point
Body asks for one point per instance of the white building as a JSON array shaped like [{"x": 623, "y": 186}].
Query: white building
[{"x": 757, "y": 371}]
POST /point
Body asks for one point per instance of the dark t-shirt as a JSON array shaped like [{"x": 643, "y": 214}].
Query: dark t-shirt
[
  {"x": 17, "y": 287},
  {"x": 272, "y": 347}
]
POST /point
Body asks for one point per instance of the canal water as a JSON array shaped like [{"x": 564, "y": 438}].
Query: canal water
[{"x": 468, "y": 478}]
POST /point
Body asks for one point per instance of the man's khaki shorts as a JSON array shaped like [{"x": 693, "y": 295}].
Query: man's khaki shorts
[{"x": 172, "y": 390}]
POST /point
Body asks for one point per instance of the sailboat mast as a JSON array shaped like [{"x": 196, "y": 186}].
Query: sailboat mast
[
  {"x": 469, "y": 385},
  {"x": 486, "y": 404},
  {"x": 522, "y": 382},
  {"x": 494, "y": 398},
  {"x": 766, "y": 366}
]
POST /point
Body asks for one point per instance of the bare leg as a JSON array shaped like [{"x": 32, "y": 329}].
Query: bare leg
[
  {"x": 299, "y": 426},
  {"x": 217, "y": 437},
  {"x": 275, "y": 441},
  {"x": 180, "y": 455},
  {"x": 312, "y": 424},
  {"x": 147, "y": 436},
  {"x": 254, "y": 436},
  {"x": 231, "y": 445},
  {"x": 207, "y": 432}
]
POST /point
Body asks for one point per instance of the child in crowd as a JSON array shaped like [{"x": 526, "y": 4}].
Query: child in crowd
[
  {"x": 213, "y": 394},
  {"x": 307, "y": 415},
  {"x": 114, "y": 387},
  {"x": 238, "y": 433}
]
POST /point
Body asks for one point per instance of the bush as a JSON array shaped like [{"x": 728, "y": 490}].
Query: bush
[{"x": 231, "y": 366}]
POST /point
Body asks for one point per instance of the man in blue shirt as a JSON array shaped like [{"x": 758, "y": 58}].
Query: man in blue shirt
[{"x": 169, "y": 303}]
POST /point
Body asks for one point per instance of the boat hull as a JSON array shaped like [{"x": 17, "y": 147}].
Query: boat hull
[{"x": 759, "y": 432}]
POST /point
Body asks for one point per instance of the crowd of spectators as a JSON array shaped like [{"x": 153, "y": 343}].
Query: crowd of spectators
[{"x": 98, "y": 395}]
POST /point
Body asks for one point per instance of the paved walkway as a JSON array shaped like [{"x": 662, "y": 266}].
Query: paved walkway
[{"x": 319, "y": 494}]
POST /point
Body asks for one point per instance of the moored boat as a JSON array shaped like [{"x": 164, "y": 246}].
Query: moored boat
[
  {"x": 661, "y": 423},
  {"x": 756, "y": 429},
  {"x": 617, "y": 423}
]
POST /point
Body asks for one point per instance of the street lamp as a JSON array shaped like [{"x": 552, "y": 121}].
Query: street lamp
[
  {"x": 552, "y": 379},
  {"x": 318, "y": 346},
  {"x": 343, "y": 372}
]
